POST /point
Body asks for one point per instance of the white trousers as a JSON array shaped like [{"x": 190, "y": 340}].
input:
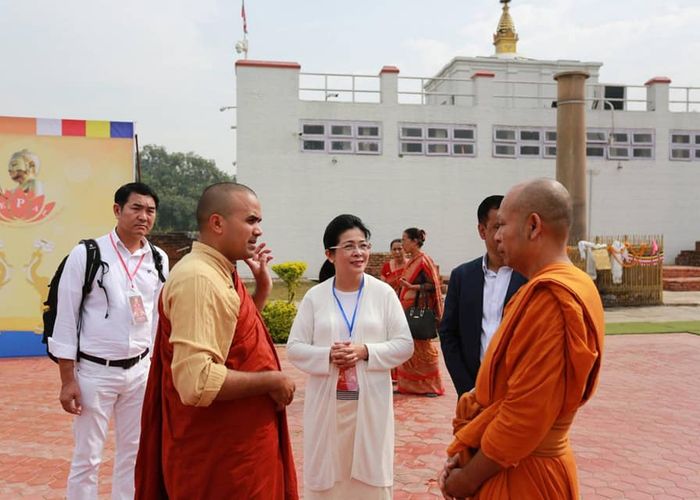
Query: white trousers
[{"x": 107, "y": 391}]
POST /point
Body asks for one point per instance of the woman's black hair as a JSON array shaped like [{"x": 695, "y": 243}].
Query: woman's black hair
[
  {"x": 327, "y": 271},
  {"x": 415, "y": 234},
  {"x": 339, "y": 225},
  {"x": 395, "y": 240}
]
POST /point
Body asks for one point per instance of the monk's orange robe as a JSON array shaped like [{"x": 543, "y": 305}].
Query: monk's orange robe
[
  {"x": 541, "y": 366},
  {"x": 230, "y": 449}
]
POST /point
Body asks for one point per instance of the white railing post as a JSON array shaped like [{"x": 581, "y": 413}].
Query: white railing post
[
  {"x": 483, "y": 88},
  {"x": 657, "y": 93},
  {"x": 389, "y": 85}
]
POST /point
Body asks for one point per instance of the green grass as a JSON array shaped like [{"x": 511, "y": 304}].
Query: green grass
[
  {"x": 653, "y": 327},
  {"x": 279, "y": 290}
]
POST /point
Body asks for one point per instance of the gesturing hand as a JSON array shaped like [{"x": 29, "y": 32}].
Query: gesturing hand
[{"x": 258, "y": 265}]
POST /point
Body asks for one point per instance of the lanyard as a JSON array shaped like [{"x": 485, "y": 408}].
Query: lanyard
[
  {"x": 350, "y": 324},
  {"x": 129, "y": 275}
]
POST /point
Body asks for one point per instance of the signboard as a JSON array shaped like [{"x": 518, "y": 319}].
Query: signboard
[{"x": 56, "y": 187}]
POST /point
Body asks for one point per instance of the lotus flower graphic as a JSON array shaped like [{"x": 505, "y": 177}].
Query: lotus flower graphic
[{"x": 16, "y": 206}]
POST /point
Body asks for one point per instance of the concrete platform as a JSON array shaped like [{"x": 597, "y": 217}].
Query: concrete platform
[
  {"x": 639, "y": 437},
  {"x": 681, "y": 278},
  {"x": 678, "y": 306}
]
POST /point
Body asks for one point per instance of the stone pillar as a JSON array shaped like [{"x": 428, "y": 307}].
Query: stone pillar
[
  {"x": 571, "y": 144},
  {"x": 389, "y": 84},
  {"x": 657, "y": 93}
]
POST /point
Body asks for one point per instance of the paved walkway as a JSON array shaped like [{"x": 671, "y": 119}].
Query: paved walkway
[
  {"x": 639, "y": 438},
  {"x": 678, "y": 306}
]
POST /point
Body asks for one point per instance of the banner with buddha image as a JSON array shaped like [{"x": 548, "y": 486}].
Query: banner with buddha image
[{"x": 57, "y": 185}]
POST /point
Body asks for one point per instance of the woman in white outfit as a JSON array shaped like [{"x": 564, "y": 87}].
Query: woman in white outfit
[{"x": 349, "y": 333}]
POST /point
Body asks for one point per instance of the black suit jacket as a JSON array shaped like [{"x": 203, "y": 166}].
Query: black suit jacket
[{"x": 460, "y": 329}]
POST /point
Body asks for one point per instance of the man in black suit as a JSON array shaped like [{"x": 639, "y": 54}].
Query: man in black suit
[{"x": 476, "y": 297}]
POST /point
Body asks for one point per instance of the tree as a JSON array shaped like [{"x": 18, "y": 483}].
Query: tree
[{"x": 179, "y": 179}]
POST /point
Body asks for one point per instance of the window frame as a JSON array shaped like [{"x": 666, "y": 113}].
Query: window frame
[
  {"x": 692, "y": 147},
  {"x": 513, "y": 145},
  {"x": 604, "y": 140},
  {"x": 611, "y": 147},
  {"x": 343, "y": 139},
  {"x": 549, "y": 143},
  {"x": 437, "y": 143},
  {"x": 426, "y": 141},
  {"x": 358, "y": 151},
  {"x": 505, "y": 128},
  {"x": 328, "y": 137}
]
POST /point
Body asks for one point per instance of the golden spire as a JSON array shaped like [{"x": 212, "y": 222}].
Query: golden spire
[{"x": 505, "y": 39}]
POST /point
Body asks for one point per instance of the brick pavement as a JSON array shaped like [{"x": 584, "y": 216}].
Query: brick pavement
[{"x": 639, "y": 438}]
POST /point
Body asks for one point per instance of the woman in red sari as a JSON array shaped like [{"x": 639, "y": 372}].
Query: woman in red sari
[
  {"x": 421, "y": 373},
  {"x": 391, "y": 273},
  {"x": 392, "y": 270}
]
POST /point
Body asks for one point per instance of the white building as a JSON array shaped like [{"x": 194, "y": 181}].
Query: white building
[{"x": 402, "y": 152}]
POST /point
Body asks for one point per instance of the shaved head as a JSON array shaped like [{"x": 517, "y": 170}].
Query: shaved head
[
  {"x": 534, "y": 221},
  {"x": 549, "y": 199},
  {"x": 216, "y": 199}
]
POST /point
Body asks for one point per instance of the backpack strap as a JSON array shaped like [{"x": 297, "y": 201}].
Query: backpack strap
[
  {"x": 157, "y": 261},
  {"x": 93, "y": 264}
]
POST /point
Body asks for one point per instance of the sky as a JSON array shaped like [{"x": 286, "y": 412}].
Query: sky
[{"x": 168, "y": 65}]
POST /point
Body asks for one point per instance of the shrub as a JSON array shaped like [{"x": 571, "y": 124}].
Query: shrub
[
  {"x": 278, "y": 316},
  {"x": 290, "y": 273}
]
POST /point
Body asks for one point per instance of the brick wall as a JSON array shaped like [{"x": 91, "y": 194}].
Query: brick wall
[
  {"x": 376, "y": 261},
  {"x": 689, "y": 257},
  {"x": 176, "y": 244}
]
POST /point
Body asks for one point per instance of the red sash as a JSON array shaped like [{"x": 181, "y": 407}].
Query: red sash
[{"x": 230, "y": 449}]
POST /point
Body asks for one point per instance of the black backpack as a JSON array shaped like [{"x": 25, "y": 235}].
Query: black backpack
[{"x": 92, "y": 266}]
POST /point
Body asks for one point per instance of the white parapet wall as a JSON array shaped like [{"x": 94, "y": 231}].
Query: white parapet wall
[{"x": 301, "y": 191}]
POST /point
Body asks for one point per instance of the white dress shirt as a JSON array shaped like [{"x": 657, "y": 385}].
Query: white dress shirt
[
  {"x": 495, "y": 289},
  {"x": 107, "y": 329}
]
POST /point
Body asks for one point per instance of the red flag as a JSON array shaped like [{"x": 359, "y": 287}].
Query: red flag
[{"x": 245, "y": 21}]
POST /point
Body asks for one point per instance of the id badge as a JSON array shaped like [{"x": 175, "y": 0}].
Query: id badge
[
  {"x": 347, "y": 380},
  {"x": 138, "y": 311}
]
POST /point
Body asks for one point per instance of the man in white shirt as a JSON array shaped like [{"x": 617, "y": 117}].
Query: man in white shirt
[
  {"x": 476, "y": 296},
  {"x": 104, "y": 366}
]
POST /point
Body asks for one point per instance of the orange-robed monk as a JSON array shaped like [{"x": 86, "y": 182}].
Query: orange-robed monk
[
  {"x": 511, "y": 431},
  {"x": 214, "y": 422}
]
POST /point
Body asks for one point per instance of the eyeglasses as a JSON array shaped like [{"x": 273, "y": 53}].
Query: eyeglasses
[{"x": 350, "y": 247}]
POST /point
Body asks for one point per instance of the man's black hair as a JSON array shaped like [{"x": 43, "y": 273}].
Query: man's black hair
[
  {"x": 490, "y": 203},
  {"x": 122, "y": 194}
]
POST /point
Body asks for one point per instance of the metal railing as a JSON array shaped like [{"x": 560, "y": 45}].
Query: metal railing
[
  {"x": 339, "y": 87},
  {"x": 689, "y": 99},
  {"x": 352, "y": 88},
  {"x": 507, "y": 93},
  {"x": 634, "y": 99},
  {"x": 424, "y": 94}
]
